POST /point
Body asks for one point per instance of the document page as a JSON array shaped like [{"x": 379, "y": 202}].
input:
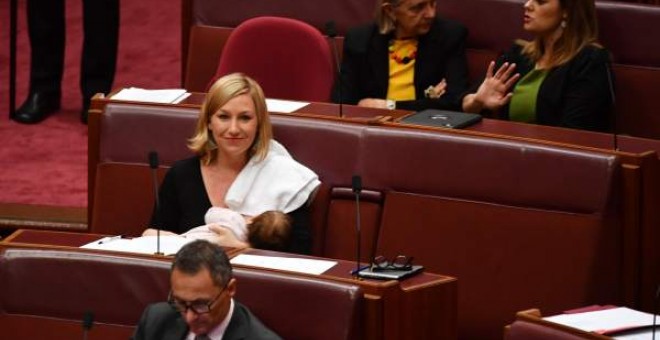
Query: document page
[
  {"x": 284, "y": 106},
  {"x": 163, "y": 96},
  {"x": 606, "y": 321},
  {"x": 298, "y": 265},
  {"x": 169, "y": 245}
]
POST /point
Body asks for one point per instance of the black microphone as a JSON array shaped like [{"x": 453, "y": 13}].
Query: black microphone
[
  {"x": 153, "y": 164},
  {"x": 87, "y": 323},
  {"x": 655, "y": 311},
  {"x": 331, "y": 32},
  {"x": 357, "y": 188},
  {"x": 610, "y": 85}
]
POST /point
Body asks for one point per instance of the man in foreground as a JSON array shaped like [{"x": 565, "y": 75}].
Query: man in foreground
[{"x": 201, "y": 304}]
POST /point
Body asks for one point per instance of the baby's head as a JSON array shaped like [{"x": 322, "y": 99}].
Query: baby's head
[{"x": 270, "y": 230}]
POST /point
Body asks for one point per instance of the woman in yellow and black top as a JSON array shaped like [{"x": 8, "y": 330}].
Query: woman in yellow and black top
[
  {"x": 560, "y": 78},
  {"x": 407, "y": 59}
]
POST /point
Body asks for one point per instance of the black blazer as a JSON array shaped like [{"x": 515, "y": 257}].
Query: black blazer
[
  {"x": 161, "y": 322},
  {"x": 440, "y": 54},
  {"x": 575, "y": 95}
]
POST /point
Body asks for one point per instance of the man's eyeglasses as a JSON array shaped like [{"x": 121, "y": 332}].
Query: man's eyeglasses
[
  {"x": 399, "y": 262},
  {"x": 198, "y": 307}
]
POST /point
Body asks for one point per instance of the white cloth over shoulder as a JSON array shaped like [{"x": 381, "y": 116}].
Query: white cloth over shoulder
[{"x": 276, "y": 183}]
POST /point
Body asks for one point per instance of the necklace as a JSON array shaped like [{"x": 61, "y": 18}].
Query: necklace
[{"x": 402, "y": 51}]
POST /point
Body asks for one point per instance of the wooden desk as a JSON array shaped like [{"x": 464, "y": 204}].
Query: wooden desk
[
  {"x": 529, "y": 324},
  {"x": 420, "y": 307},
  {"x": 486, "y": 127}
]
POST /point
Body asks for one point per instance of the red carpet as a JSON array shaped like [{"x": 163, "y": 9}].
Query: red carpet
[{"x": 47, "y": 163}]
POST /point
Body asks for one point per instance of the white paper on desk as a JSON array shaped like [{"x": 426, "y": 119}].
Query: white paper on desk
[
  {"x": 640, "y": 334},
  {"x": 292, "y": 264},
  {"x": 602, "y": 321},
  {"x": 284, "y": 106},
  {"x": 163, "y": 96},
  {"x": 169, "y": 244}
]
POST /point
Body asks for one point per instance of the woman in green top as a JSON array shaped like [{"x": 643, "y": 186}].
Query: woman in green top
[{"x": 561, "y": 78}]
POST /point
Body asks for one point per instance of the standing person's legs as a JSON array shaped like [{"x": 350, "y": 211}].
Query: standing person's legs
[
  {"x": 99, "y": 58},
  {"x": 46, "y": 30}
]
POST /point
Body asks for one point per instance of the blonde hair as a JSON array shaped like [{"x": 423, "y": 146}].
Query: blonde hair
[
  {"x": 223, "y": 90},
  {"x": 385, "y": 24},
  {"x": 581, "y": 30}
]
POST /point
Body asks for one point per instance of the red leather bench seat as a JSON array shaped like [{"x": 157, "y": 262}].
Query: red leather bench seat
[{"x": 46, "y": 292}]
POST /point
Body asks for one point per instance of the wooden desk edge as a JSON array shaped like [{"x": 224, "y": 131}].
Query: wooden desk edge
[{"x": 534, "y": 316}]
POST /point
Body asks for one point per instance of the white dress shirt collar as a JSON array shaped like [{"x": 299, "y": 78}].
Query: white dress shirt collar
[{"x": 218, "y": 332}]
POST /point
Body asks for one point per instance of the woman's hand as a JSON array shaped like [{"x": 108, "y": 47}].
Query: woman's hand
[
  {"x": 493, "y": 93},
  {"x": 435, "y": 92},
  {"x": 373, "y": 103},
  {"x": 226, "y": 237}
]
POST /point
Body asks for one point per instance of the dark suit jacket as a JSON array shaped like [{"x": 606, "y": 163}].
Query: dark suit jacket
[
  {"x": 161, "y": 322},
  {"x": 440, "y": 54},
  {"x": 576, "y": 95}
]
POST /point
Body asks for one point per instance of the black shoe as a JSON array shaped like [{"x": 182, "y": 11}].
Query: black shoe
[{"x": 37, "y": 107}]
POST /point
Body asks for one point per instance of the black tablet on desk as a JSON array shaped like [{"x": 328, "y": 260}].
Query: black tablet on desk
[
  {"x": 442, "y": 118},
  {"x": 390, "y": 274}
]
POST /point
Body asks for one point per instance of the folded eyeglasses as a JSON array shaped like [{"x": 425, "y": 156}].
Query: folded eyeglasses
[{"x": 399, "y": 262}]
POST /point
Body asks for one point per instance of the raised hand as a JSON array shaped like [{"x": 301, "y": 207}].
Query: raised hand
[{"x": 494, "y": 91}]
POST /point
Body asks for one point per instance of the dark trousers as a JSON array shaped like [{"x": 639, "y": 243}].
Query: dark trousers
[{"x": 47, "y": 37}]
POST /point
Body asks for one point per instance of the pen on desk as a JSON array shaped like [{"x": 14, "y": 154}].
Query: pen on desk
[
  {"x": 355, "y": 271},
  {"x": 110, "y": 239}
]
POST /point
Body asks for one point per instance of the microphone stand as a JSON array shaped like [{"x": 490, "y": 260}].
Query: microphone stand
[
  {"x": 357, "y": 188},
  {"x": 153, "y": 164},
  {"x": 610, "y": 84},
  {"x": 87, "y": 322},
  {"x": 655, "y": 311}
]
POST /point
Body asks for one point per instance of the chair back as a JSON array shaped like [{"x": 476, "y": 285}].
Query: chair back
[
  {"x": 288, "y": 58},
  {"x": 48, "y": 291}
]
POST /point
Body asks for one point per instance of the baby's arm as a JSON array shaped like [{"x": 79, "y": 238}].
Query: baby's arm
[{"x": 153, "y": 232}]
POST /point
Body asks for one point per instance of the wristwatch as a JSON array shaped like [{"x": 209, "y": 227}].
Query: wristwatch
[{"x": 390, "y": 104}]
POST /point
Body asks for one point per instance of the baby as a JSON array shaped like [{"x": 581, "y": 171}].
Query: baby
[{"x": 270, "y": 230}]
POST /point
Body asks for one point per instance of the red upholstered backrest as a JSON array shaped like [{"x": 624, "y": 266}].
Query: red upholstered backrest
[
  {"x": 628, "y": 31},
  {"x": 230, "y": 13},
  {"x": 128, "y": 133},
  {"x": 636, "y": 104},
  {"x": 301, "y": 307},
  {"x": 505, "y": 217},
  {"x": 478, "y": 169},
  {"x": 332, "y": 150},
  {"x": 289, "y": 58},
  {"x": 46, "y": 292}
]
